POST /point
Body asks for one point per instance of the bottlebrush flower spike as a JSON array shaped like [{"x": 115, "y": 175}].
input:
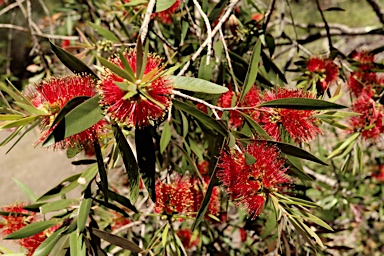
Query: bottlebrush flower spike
[
  {"x": 365, "y": 58},
  {"x": 175, "y": 197},
  {"x": 370, "y": 122},
  {"x": 15, "y": 222},
  {"x": 185, "y": 236},
  {"x": 326, "y": 69},
  {"x": 359, "y": 80},
  {"x": 251, "y": 175},
  {"x": 150, "y": 97},
  {"x": 301, "y": 125},
  {"x": 166, "y": 15},
  {"x": 198, "y": 196},
  {"x": 52, "y": 95}
]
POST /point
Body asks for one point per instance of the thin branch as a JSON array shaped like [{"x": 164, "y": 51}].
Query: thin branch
[
  {"x": 147, "y": 19},
  {"x": 320, "y": 177},
  {"x": 326, "y": 26},
  {"x": 194, "y": 25},
  {"x": 268, "y": 14},
  {"x": 229, "y": 60},
  {"x": 11, "y": 6},
  {"x": 376, "y": 8},
  {"x": 209, "y": 30},
  {"x": 165, "y": 46},
  {"x": 214, "y": 32},
  {"x": 46, "y": 10}
]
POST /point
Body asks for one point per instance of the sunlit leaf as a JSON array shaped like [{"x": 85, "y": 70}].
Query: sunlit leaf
[
  {"x": 252, "y": 70},
  {"x": 31, "y": 229},
  {"x": 165, "y": 137},
  {"x": 162, "y": 5},
  {"x": 197, "y": 85},
  {"x": 105, "y": 32},
  {"x": 301, "y": 103},
  {"x": 117, "y": 240}
]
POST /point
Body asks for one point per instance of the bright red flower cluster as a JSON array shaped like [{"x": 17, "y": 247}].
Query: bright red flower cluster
[
  {"x": 52, "y": 95},
  {"x": 325, "y": 71},
  {"x": 252, "y": 99},
  {"x": 184, "y": 196},
  {"x": 301, "y": 125},
  {"x": 185, "y": 236},
  {"x": 166, "y": 15},
  {"x": 370, "y": 122},
  {"x": 251, "y": 175},
  {"x": 150, "y": 97},
  {"x": 15, "y": 222}
]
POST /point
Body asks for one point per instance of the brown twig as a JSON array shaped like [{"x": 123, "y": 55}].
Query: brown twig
[
  {"x": 376, "y": 8},
  {"x": 326, "y": 26},
  {"x": 268, "y": 14}
]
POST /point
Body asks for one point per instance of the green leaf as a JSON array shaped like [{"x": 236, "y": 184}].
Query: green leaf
[
  {"x": 30, "y": 109},
  {"x": 15, "y": 94},
  {"x": 197, "y": 85},
  {"x": 88, "y": 175},
  {"x": 146, "y": 159},
  {"x": 139, "y": 58},
  {"x": 205, "y": 70},
  {"x": 217, "y": 10},
  {"x": 28, "y": 192},
  {"x": 130, "y": 164},
  {"x": 122, "y": 200},
  {"x": 77, "y": 120},
  {"x": 296, "y": 151},
  {"x": 61, "y": 247},
  {"x": 164, "y": 236},
  {"x": 57, "y": 205},
  {"x": 82, "y": 216},
  {"x": 70, "y": 105},
  {"x": 105, "y": 32},
  {"x": 63, "y": 187},
  {"x": 31, "y": 229},
  {"x": 190, "y": 161},
  {"x": 256, "y": 127},
  {"x": 162, "y": 5},
  {"x": 296, "y": 168},
  {"x": 127, "y": 67},
  {"x": 179, "y": 243},
  {"x": 12, "y": 136},
  {"x": 301, "y": 104},
  {"x": 47, "y": 245},
  {"x": 165, "y": 137},
  {"x": 339, "y": 150},
  {"x": 10, "y": 117},
  {"x": 71, "y": 62},
  {"x": 253, "y": 69},
  {"x": 201, "y": 116},
  {"x": 117, "y": 240},
  {"x": 22, "y": 135},
  {"x": 102, "y": 171},
  {"x": 19, "y": 122},
  {"x": 249, "y": 159},
  {"x": 115, "y": 68},
  {"x": 204, "y": 205},
  {"x": 270, "y": 225}
]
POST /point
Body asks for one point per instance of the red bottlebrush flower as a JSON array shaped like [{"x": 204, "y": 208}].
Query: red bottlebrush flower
[
  {"x": 301, "y": 125},
  {"x": 185, "y": 236},
  {"x": 150, "y": 97},
  {"x": 252, "y": 99},
  {"x": 198, "y": 196},
  {"x": 250, "y": 182},
  {"x": 65, "y": 43},
  {"x": 326, "y": 69},
  {"x": 379, "y": 176},
  {"x": 203, "y": 167},
  {"x": 359, "y": 80},
  {"x": 119, "y": 221},
  {"x": 173, "y": 198},
  {"x": 370, "y": 122},
  {"x": 243, "y": 235},
  {"x": 15, "y": 222},
  {"x": 365, "y": 58},
  {"x": 166, "y": 15},
  {"x": 52, "y": 95},
  {"x": 202, "y": 107},
  {"x": 257, "y": 17},
  {"x": 225, "y": 101}
]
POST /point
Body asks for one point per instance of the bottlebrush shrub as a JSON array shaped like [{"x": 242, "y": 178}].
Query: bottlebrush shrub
[{"x": 208, "y": 134}]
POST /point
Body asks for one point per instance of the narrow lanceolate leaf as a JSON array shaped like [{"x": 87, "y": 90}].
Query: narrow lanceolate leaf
[
  {"x": 165, "y": 137},
  {"x": 57, "y": 205},
  {"x": 256, "y": 127},
  {"x": 296, "y": 151},
  {"x": 63, "y": 187},
  {"x": 197, "y": 85},
  {"x": 201, "y": 116},
  {"x": 302, "y": 104},
  {"x": 340, "y": 149},
  {"x": 26, "y": 190},
  {"x": 190, "y": 161},
  {"x": 115, "y": 68},
  {"x": 129, "y": 162},
  {"x": 162, "y": 5},
  {"x": 253, "y": 69},
  {"x": 71, "y": 62},
  {"x": 77, "y": 120},
  {"x": 19, "y": 122},
  {"x": 30, "y": 109},
  {"x": 105, "y": 32},
  {"x": 146, "y": 159},
  {"x": 117, "y": 240},
  {"x": 71, "y": 104},
  {"x": 127, "y": 67},
  {"x": 139, "y": 57},
  {"x": 102, "y": 171},
  {"x": 83, "y": 213},
  {"x": 46, "y": 247},
  {"x": 122, "y": 200},
  {"x": 31, "y": 229}
]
